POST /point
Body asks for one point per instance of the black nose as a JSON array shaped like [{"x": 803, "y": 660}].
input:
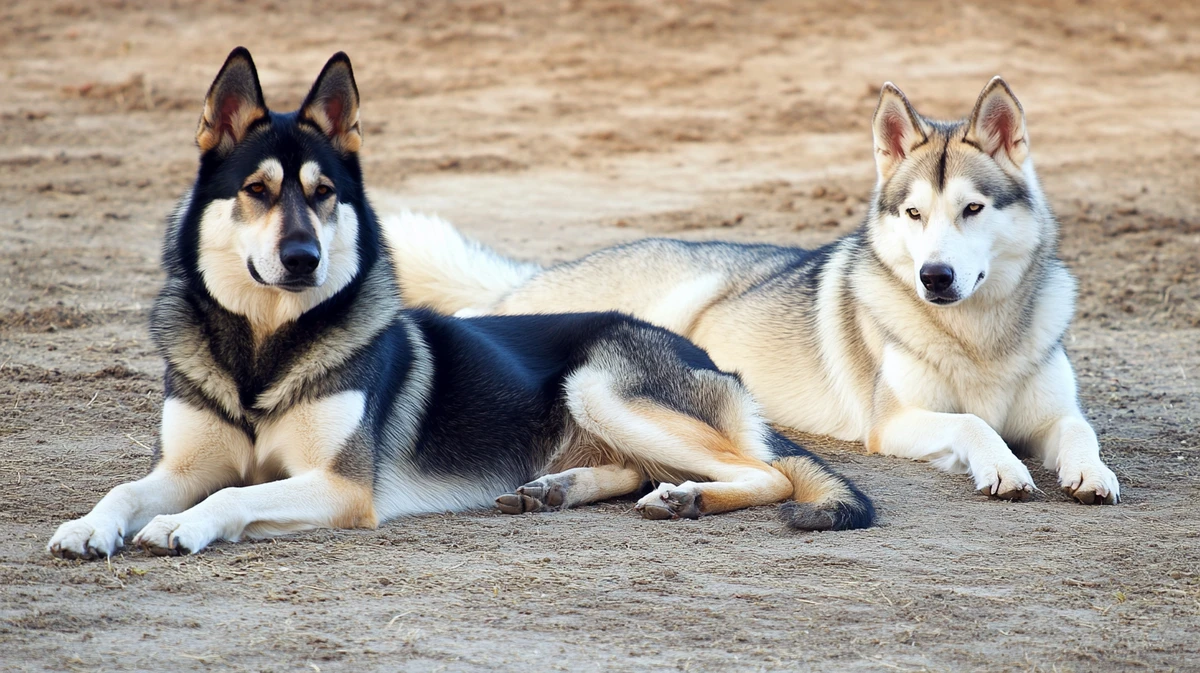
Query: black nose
[
  {"x": 300, "y": 257},
  {"x": 937, "y": 277}
]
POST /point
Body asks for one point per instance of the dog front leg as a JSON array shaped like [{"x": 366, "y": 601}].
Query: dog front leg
[
  {"x": 316, "y": 499},
  {"x": 1047, "y": 417},
  {"x": 956, "y": 443},
  {"x": 200, "y": 454}
]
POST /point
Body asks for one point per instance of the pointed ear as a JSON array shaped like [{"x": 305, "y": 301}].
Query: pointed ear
[
  {"x": 997, "y": 126},
  {"x": 897, "y": 128},
  {"x": 332, "y": 104},
  {"x": 233, "y": 103}
]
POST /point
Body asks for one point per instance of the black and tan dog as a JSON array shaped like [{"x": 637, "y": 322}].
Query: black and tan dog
[{"x": 300, "y": 394}]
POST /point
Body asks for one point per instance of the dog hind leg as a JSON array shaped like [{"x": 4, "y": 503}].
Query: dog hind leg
[
  {"x": 668, "y": 442},
  {"x": 571, "y": 488}
]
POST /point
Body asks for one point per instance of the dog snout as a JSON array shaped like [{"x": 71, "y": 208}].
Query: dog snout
[
  {"x": 300, "y": 256},
  {"x": 937, "y": 278}
]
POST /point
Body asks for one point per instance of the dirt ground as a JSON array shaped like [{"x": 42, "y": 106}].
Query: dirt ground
[{"x": 549, "y": 129}]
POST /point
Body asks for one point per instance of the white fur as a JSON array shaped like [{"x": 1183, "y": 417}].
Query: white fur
[
  {"x": 310, "y": 435},
  {"x": 994, "y": 243},
  {"x": 200, "y": 454},
  {"x": 310, "y": 500},
  {"x": 438, "y": 261},
  {"x": 226, "y": 245},
  {"x": 678, "y": 308},
  {"x": 401, "y": 492},
  {"x": 304, "y": 442}
]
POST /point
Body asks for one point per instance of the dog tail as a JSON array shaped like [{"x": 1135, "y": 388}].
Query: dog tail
[
  {"x": 439, "y": 268},
  {"x": 821, "y": 498}
]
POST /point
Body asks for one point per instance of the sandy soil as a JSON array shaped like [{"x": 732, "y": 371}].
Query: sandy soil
[{"x": 549, "y": 129}]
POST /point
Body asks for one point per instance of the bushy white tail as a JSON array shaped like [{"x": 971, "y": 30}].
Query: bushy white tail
[{"x": 439, "y": 268}]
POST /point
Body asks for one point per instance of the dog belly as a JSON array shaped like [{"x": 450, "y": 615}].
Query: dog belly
[{"x": 400, "y": 492}]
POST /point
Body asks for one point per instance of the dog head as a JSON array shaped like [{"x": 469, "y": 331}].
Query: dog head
[
  {"x": 957, "y": 206},
  {"x": 277, "y": 201}
]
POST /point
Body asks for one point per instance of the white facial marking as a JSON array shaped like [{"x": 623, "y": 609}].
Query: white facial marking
[
  {"x": 226, "y": 244},
  {"x": 310, "y": 175},
  {"x": 970, "y": 245},
  {"x": 271, "y": 172},
  {"x": 260, "y": 240}
]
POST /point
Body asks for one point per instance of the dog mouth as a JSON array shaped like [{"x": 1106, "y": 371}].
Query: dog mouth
[
  {"x": 949, "y": 299},
  {"x": 942, "y": 301},
  {"x": 289, "y": 284}
]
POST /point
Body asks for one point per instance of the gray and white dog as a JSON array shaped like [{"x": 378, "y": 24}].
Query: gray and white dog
[{"x": 934, "y": 332}]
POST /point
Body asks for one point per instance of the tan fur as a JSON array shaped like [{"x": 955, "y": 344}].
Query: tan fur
[
  {"x": 811, "y": 482},
  {"x": 209, "y": 136},
  {"x": 741, "y": 479},
  {"x": 357, "y": 504},
  {"x": 199, "y": 447},
  {"x": 348, "y": 141},
  {"x": 695, "y": 433}
]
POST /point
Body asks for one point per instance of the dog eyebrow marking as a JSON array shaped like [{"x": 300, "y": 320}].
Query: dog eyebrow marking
[
  {"x": 310, "y": 176},
  {"x": 269, "y": 171}
]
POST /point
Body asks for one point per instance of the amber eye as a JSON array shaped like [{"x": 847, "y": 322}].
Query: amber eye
[
  {"x": 972, "y": 208},
  {"x": 323, "y": 191},
  {"x": 256, "y": 188},
  {"x": 913, "y": 213}
]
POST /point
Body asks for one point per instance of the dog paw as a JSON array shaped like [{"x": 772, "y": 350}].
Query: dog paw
[
  {"x": 669, "y": 501},
  {"x": 1090, "y": 483},
  {"x": 1009, "y": 480},
  {"x": 541, "y": 495},
  {"x": 80, "y": 539},
  {"x": 167, "y": 535}
]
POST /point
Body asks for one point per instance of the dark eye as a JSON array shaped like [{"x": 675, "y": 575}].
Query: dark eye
[
  {"x": 323, "y": 191},
  {"x": 972, "y": 209},
  {"x": 913, "y": 213},
  {"x": 256, "y": 188}
]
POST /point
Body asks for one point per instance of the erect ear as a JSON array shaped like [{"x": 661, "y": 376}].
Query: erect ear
[
  {"x": 332, "y": 104},
  {"x": 234, "y": 102},
  {"x": 897, "y": 128},
  {"x": 997, "y": 125}
]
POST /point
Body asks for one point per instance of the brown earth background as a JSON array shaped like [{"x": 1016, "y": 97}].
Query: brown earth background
[{"x": 549, "y": 129}]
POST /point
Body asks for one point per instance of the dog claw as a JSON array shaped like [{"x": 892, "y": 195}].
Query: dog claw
[
  {"x": 655, "y": 512},
  {"x": 517, "y": 503},
  {"x": 671, "y": 502},
  {"x": 553, "y": 495},
  {"x": 159, "y": 551},
  {"x": 542, "y": 495},
  {"x": 1015, "y": 494},
  {"x": 1091, "y": 484},
  {"x": 81, "y": 540}
]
